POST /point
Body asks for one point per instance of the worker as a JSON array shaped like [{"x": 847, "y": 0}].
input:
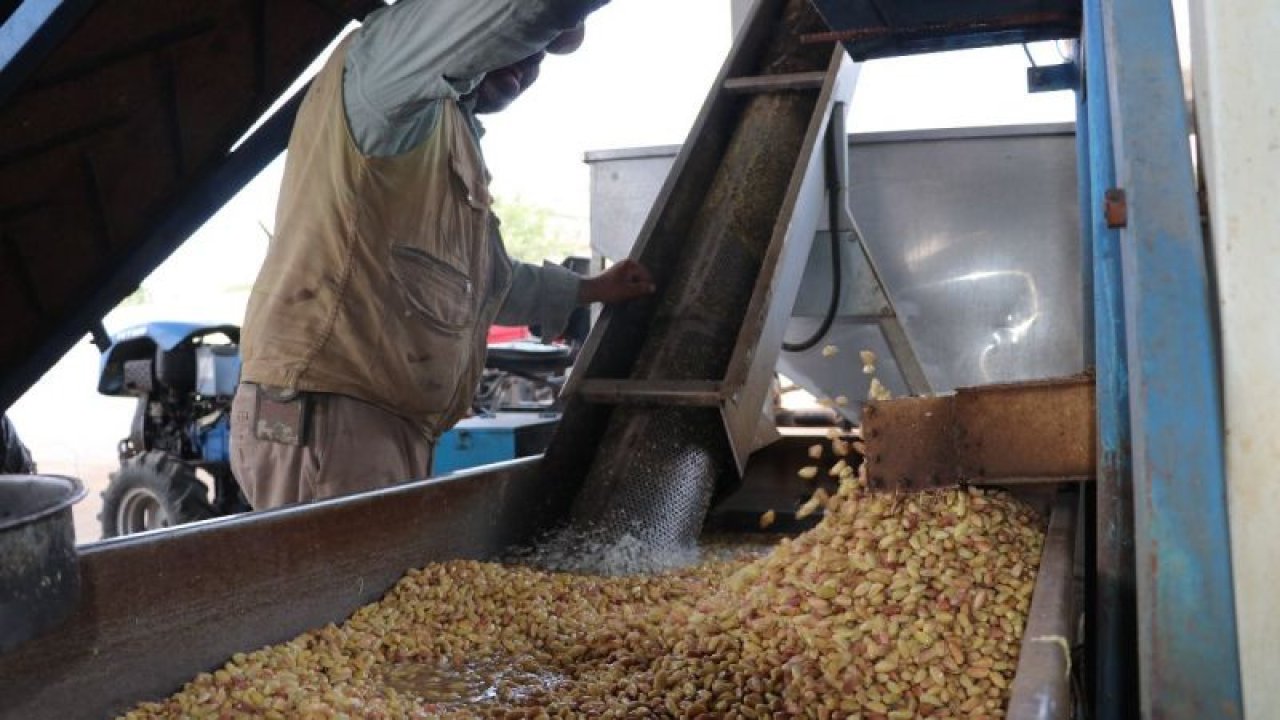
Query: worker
[
  {"x": 15, "y": 459},
  {"x": 364, "y": 337}
]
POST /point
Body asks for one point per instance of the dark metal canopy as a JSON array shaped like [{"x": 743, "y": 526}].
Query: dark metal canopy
[
  {"x": 117, "y": 120},
  {"x": 885, "y": 28}
]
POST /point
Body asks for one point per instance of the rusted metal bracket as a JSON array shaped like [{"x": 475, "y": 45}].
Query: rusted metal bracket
[
  {"x": 1116, "y": 206},
  {"x": 1034, "y": 432}
]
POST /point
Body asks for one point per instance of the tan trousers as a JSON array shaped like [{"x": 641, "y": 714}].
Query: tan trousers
[{"x": 350, "y": 446}]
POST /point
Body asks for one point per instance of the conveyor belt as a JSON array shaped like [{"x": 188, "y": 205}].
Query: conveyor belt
[{"x": 689, "y": 369}]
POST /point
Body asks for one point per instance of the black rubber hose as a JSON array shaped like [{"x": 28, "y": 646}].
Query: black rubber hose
[{"x": 834, "y": 306}]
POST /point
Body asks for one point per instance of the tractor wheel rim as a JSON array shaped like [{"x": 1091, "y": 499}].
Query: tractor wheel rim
[{"x": 139, "y": 511}]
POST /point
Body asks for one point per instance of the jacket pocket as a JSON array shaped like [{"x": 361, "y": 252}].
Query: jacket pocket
[
  {"x": 441, "y": 295},
  {"x": 471, "y": 182}
]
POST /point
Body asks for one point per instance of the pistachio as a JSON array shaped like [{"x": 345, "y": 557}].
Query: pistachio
[{"x": 885, "y": 609}]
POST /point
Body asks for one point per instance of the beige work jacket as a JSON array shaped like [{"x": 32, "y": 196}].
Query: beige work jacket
[{"x": 383, "y": 277}]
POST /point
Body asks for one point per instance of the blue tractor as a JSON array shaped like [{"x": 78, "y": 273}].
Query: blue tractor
[{"x": 184, "y": 377}]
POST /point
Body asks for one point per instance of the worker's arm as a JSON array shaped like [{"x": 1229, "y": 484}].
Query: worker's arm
[
  {"x": 416, "y": 52},
  {"x": 14, "y": 457},
  {"x": 545, "y": 296},
  {"x": 542, "y": 296}
]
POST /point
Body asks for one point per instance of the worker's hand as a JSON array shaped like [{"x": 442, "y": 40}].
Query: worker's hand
[{"x": 625, "y": 281}]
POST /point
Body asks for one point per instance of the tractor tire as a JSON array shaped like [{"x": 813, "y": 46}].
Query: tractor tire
[{"x": 152, "y": 490}]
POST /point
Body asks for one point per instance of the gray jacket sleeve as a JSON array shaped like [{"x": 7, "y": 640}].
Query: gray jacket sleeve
[
  {"x": 14, "y": 456},
  {"x": 543, "y": 296},
  {"x": 409, "y": 55}
]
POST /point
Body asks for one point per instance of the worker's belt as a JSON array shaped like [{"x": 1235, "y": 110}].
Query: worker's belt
[{"x": 281, "y": 415}]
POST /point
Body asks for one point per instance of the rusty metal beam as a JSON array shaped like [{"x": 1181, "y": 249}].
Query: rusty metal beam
[
  {"x": 1038, "y": 429},
  {"x": 1020, "y": 433},
  {"x": 909, "y": 443}
]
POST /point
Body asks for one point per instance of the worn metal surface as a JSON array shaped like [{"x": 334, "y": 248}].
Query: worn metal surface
[
  {"x": 116, "y": 144},
  {"x": 695, "y": 393},
  {"x": 159, "y": 608},
  {"x": 977, "y": 241},
  {"x": 39, "y": 572},
  {"x": 727, "y": 241},
  {"x": 758, "y": 345},
  {"x": 1036, "y": 432},
  {"x": 1237, "y": 86},
  {"x": 1114, "y": 618},
  {"x": 911, "y": 443},
  {"x": 1042, "y": 684},
  {"x": 974, "y": 231},
  {"x": 1050, "y": 78},
  {"x": 904, "y": 356},
  {"x": 770, "y": 482},
  {"x": 1040, "y": 429},
  {"x": 679, "y": 199},
  {"x": 1187, "y": 640},
  {"x": 870, "y": 28}
]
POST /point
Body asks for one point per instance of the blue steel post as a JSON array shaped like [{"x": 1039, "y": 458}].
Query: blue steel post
[
  {"x": 1115, "y": 660},
  {"x": 1187, "y": 643}
]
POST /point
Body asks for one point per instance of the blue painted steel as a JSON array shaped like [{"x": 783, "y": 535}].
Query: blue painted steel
[
  {"x": 215, "y": 441},
  {"x": 905, "y": 27},
  {"x": 1114, "y": 620},
  {"x": 1189, "y": 661},
  {"x": 462, "y": 448},
  {"x": 27, "y": 36},
  {"x": 164, "y": 335},
  {"x": 167, "y": 335},
  {"x": 1048, "y": 78}
]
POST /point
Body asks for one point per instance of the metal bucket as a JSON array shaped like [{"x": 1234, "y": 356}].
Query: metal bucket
[{"x": 39, "y": 569}]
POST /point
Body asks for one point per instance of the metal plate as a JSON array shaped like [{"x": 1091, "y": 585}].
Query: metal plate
[
  {"x": 1042, "y": 684},
  {"x": 975, "y": 232},
  {"x": 910, "y": 443},
  {"x": 1026, "y": 430},
  {"x": 872, "y": 29},
  {"x": 1037, "y": 432}
]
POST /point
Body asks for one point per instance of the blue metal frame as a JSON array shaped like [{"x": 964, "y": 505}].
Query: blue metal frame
[
  {"x": 1187, "y": 644},
  {"x": 30, "y": 33},
  {"x": 1114, "y": 622},
  {"x": 1048, "y": 78}
]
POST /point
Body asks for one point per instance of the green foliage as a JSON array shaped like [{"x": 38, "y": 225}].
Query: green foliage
[{"x": 533, "y": 233}]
